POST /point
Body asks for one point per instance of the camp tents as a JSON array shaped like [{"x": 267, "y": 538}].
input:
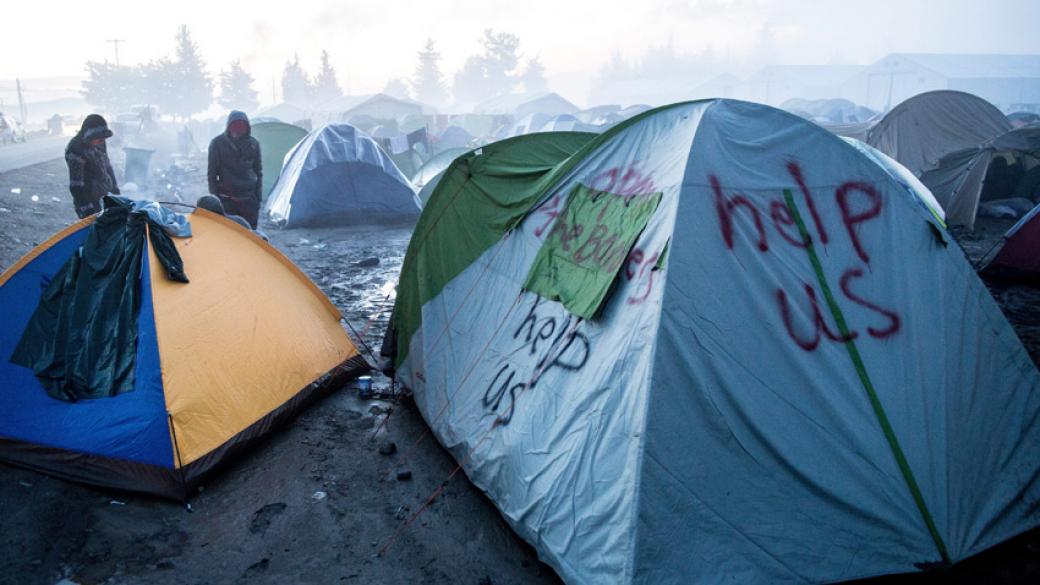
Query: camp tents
[
  {"x": 276, "y": 140},
  {"x": 1004, "y": 167},
  {"x": 928, "y": 126},
  {"x": 454, "y": 137},
  {"x": 715, "y": 345},
  {"x": 213, "y": 365},
  {"x": 340, "y": 175},
  {"x": 435, "y": 165},
  {"x": 568, "y": 123},
  {"x": 1018, "y": 254}
]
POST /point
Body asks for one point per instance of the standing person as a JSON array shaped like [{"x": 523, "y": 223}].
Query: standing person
[
  {"x": 235, "y": 174},
  {"x": 90, "y": 172}
]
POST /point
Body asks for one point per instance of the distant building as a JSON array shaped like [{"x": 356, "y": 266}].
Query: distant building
[
  {"x": 1010, "y": 82},
  {"x": 775, "y": 84},
  {"x": 379, "y": 106},
  {"x": 519, "y": 105}
]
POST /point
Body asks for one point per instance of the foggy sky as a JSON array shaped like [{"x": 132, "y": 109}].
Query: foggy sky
[{"x": 371, "y": 41}]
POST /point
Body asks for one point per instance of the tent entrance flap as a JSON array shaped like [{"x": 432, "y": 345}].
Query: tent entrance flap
[{"x": 587, "y": 245}]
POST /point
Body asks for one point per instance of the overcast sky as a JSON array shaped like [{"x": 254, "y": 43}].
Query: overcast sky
[{"x": 371, "y": 41}]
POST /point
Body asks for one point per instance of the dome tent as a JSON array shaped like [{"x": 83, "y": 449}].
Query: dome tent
[
  {"x": 214, "y": 364},
  {"x": 696, "y": 338},
  {"x": 541, "y": 150},
  {"x": 1017, "y": 255},
  {"x": 339, "y": 175},
  {"x": 276, "y": 140},
  {"x": 961, "y": 178},
  {"x": 928, "y": 126}
]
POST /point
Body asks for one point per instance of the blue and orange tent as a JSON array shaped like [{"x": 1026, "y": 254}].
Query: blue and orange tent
[{"x": 219, "y": 363}]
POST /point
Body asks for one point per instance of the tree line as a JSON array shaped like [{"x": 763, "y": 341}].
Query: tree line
[{"x": 180, "y": 85}]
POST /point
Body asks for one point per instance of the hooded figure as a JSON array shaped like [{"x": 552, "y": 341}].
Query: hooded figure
[
  {"x": 90, "y": 172},
  {"x": 235, "y": 175}
]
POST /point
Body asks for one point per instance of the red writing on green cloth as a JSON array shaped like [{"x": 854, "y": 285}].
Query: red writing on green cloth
[{"x": 583, "y": 252}]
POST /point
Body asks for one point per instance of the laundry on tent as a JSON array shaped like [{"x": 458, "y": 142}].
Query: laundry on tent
[
  {"x": 717, "y": 332},
  {"x": 931, "y": 125},
  {"x": 276, "y": 140},
  {"x": 339, "y": 175},
  {"x": 143, "y": 363},
  {"x": 1004, "y": 171}
]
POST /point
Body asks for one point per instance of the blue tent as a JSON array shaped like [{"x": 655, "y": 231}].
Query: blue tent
[{"x": 339, "y": 175}]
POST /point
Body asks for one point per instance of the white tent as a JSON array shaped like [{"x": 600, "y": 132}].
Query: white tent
[
  {"x": 927, "y": 127},
  {"x": 1005, "y": 167},
  {"x": 338, "y": 175},
  {"x": 718, "y": 344}
]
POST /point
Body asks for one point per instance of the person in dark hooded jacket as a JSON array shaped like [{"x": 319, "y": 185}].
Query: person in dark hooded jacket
[
  {"x": 90, "y": 172},
  {"x": 235, "y": 174}
]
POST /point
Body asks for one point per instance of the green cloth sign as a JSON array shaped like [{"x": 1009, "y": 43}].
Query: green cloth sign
[{"x": 588, "y": 244}]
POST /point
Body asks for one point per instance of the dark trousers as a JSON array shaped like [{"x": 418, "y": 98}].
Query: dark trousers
[
  {"x": 247, "y": 206},
  {"x": 87, "y": 208}
]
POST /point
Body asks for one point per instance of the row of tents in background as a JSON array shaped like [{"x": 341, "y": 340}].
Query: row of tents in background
[{"x": 969, "y": 155}]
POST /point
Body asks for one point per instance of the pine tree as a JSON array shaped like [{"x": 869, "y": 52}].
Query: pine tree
[
  {"x": 397, "y": 88},
  {"x": 325, "y": 85},
  {"x": 110, "y": 87},
  {"x": 428, "y": 83},
  {"x": 500, "y": 59},
  {"x": 296, "y": 87},
  {"x": 236, "y": 89},
  {"x": 191, "y": 89},
  {"x": 533, "y": 77}
]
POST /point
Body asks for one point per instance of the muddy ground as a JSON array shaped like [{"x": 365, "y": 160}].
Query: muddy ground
[{"x": 317, "y": 500}]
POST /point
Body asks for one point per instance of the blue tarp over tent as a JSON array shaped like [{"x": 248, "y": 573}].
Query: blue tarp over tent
[{"x": 340, "y": 175}]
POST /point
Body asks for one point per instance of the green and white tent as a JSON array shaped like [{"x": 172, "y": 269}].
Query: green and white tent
[
  {"x": 717, "y": 344},
  {"x": 276, "y": 140}
]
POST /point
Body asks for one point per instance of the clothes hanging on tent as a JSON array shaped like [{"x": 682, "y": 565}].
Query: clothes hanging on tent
[{"x": 82, "y": 339}]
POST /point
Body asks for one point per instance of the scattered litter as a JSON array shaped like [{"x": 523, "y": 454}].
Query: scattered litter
[
  {"x": 319, "y": 496},
  {"x": 364, "y": 387},
  {"x": 4, "y": 210},
  {"x": 55, "y": 199},
  {"x": 304, "y": 241},
  {"x": 35, "y": 198},
  {"x": 404, "y": 476},
  {"x": 17, "y": 190},
  {"x": 320, "y": 246},
  {"x": 388, "y": 448},
  {"x": 117, "y": 503},
  {"x": 25, "y": 484}
]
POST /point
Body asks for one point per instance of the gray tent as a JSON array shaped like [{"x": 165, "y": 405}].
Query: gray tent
[
  {"x": 1004, "y": 167},
  {"x": 927, "y": 127}
]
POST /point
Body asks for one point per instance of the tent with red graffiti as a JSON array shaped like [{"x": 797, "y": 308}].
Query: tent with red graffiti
[
  {"x": 714, "y": 344},
  {"x": 928, "y": 126},
  {"x": 1018, "y": 253}
]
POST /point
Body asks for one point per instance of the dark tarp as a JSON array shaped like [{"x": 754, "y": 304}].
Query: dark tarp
[{"x": 82, "y": 338}]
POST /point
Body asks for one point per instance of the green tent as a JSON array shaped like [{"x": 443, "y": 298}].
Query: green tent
[{"x": 276, "y": 140}]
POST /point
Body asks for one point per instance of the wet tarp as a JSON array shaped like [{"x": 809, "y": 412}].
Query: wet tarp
[{"x": 81, "y": 341}]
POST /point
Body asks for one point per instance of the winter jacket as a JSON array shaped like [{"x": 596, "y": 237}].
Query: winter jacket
[
  {"x": 234, "y": 163},
  {"x": 90, "y": 172}
]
